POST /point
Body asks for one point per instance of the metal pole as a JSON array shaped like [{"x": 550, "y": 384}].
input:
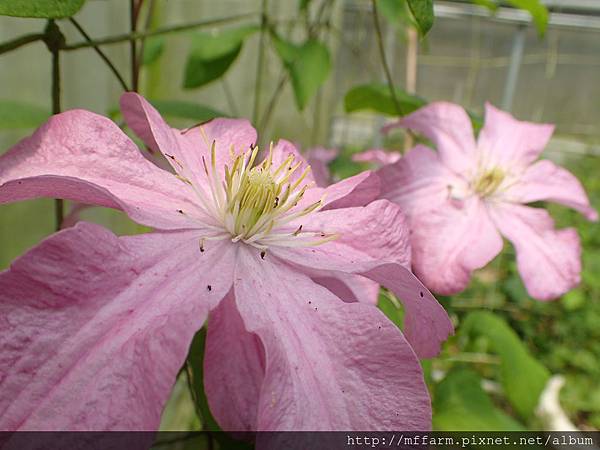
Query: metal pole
[{"x": 516, "y": 55}]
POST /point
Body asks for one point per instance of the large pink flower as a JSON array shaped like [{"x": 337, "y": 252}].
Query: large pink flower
[
  {"x": 461, "y": 199},
  {"x": 94, "y": 327}
]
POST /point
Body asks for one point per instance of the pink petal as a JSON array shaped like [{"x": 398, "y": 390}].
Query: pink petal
[
  {"x": 81, "y": 156},
  {"x": 351, "y": 288},
  {"x": 449, "y": 243},
  {"x": 548, "y": 260},
  {"x": 508, "y": 142},
  {"x": 544, "y": 180},
  {"x": 354, "y": 191},
  {"x": 449, "y": 128},
  {"x": 419, "y": 182},
  {"x": 377, "y": 156},
  {"x": 330, "y": 365},
  {"x": 282, "y": 150},
  {"x": 184, "y": 149},
  {"x": 373, "y": 242},
  {"x": 234, "y": 369},
  {"x": 94, "y": 328}
]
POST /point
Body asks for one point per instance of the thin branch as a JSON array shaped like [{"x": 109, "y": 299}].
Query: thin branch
[
  {"x": 100, "y": 53},
  {"x": 147, "y": 25},
  {"x": 166, "y": 30},
  {"x": 272, "y": 102},
  {"x": 52, "y": 36},
  {"x": 134, "y": 9},
  {"x": 386, "y": 68},
  {"x": 20, "y": 41},
  {"x": 230, "y": 98},
  {"x": 260, "y": 60}
]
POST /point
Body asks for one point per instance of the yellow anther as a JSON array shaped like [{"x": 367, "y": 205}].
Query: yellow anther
[{"x": 488, "y": 182}]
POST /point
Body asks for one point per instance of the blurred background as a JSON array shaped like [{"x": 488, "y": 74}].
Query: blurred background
[{"x": 511, "y": 354}]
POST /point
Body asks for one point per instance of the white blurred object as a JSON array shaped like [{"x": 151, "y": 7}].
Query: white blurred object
[{"x": 549, "y": 410}]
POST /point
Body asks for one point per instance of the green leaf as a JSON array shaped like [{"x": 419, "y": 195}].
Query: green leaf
[
  {"x": 396, "y": 12},
  {"x": 538, "y": 11},
  {"x": 523, "y": 378},
  {"x": 422, "y": 11},
  {"x": 303, "y": 5},
  {"x": 212, "y": 54},
  {"x": 14, "y": 115},
  {"x": 46, "y": 9},
  {"x": 186, "y": 110},
  {"x": 392, "y": 311},
  {"x": 377, "y": 97},
  {"x": 195, "y": 373},
  {"x": 154, "y": 47},
  {"x": 460, "y": 404},
  {"x": 308, "y": 66}
]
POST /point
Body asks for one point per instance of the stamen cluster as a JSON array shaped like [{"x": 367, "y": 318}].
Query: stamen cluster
[
  {"x": 488, "y": 182},
  {"x": 258, "y": 204}
]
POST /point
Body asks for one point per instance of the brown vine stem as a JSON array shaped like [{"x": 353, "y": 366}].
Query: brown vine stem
[
  {"x": 159, "y": 31},
  {"x": 20, "y": 41},
  {"x": 134, "y": 12},
  {"x": 384, "y": 63},
  {"x": 54, "y": 39},
  {"x": 100, "y": 53}
]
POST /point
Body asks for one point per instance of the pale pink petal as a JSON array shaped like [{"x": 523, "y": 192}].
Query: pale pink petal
[
  {"x": 330, "y": 365},
  {"x": 448, "y": 126},
  {"x": 511, "y": 143},
  {"x": 548, "y": 260},
  {"x": 419, "y": 182},
  {"x": 373, "y": 242},
  {"x": 377, "y": 157},
  {"x": 184, "y": 149},
  {"x": 351, "y": 288},
  {"x": 234, "y": 369},
  {"x": 81, "y": 156},
  {"x": 452, "y": 241},
  {"x": 544, "y": 180},
  {"x": 94, "y": 328},
  {"x": 319, "y": 159},
  {"x": 354, "y": 191}
]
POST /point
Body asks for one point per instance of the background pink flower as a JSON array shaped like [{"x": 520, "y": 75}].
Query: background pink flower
[
  {"x": 460, "y": 200},
  {"x": 94, "y": 327},
  {"x": 377, "y": 156}
]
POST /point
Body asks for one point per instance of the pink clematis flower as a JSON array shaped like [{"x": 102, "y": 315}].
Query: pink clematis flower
[
  {"x": 461, "y": 199},
  {"x": 94, "y": 327}
]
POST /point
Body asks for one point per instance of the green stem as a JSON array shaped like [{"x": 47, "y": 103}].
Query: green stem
[
  {"x": 144, "y": 34},
  {"x": 386, "y": 68},
  {"x": 20, "y": 41},
  {"x": 133, "y": 16},
  {"x": 148, "y": 23},
  {"x": 230, "y": 98},
  {"x": 260, "y": 60},
  {"x": 100, "y": 53},
  {"x": 272, "y": 102}
]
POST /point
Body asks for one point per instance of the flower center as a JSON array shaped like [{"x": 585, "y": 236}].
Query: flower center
[
  {"x": 488, "y": 182},
  {"x": 260, "y": 204}
]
